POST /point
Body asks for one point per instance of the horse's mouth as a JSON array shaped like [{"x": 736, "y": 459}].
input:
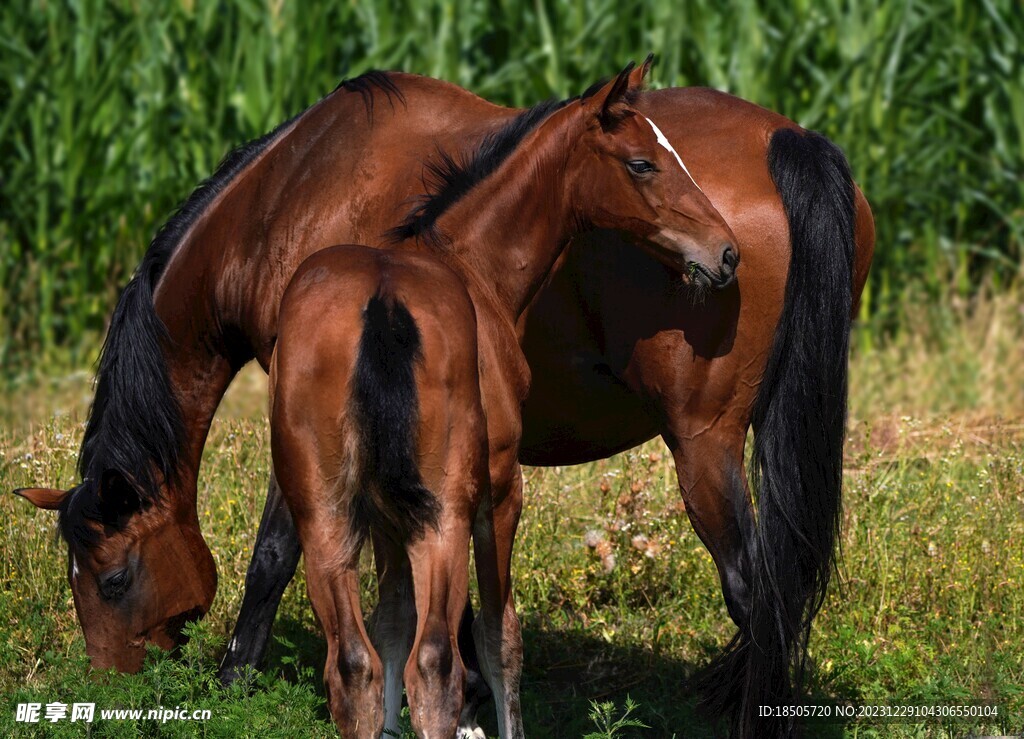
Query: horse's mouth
[
  {"x": 171, "y": 630},
  {"x": 702, "y": 277},
  {"x": 174, "y": 625}
]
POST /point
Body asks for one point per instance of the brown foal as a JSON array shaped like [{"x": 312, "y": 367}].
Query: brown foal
[
  {"x": 377, "y": 424},
  {"x": 397, "y": 384}
]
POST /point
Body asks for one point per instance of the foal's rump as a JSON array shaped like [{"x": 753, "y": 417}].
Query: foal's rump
[{"x": 376, "y": 365}]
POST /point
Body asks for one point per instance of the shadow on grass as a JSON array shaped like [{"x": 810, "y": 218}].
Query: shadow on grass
[{"x": 563, "y": 673}]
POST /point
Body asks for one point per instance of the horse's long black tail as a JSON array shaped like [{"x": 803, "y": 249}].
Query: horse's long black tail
[
  {"x": 799, "y": 423},
  {"x": 390, "y": 495}
]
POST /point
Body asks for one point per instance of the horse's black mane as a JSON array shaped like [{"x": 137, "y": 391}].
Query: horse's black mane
[
  {"x": 367, "y": 82},
  {"x": 449, "y": 178},
  {"x": 135, "y": 425}
]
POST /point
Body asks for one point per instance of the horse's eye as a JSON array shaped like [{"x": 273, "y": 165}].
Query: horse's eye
[
  {"x": 640, "y": 166},
  {"x": 114, "y": 585}
]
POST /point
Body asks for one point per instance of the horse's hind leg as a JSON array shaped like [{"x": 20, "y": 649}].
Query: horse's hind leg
[
  {"x": 434, "y": 674},
  {"x": 713, "y": 484}
]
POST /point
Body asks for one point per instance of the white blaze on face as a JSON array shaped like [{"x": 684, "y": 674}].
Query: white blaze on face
[
  {"x": 663, "y": 140},
  {"x": 74, "y": 568}
]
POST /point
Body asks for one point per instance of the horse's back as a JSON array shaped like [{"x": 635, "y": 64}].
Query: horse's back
[{"x": 340, "y": 173}]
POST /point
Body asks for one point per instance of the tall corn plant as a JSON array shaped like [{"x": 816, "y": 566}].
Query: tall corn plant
[{"x": 112, "y": 110}]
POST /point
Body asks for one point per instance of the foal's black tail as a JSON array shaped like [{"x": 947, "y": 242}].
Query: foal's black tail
[
  {"x": 799, "y": 422},
  {"x": 390, "y": 495}
]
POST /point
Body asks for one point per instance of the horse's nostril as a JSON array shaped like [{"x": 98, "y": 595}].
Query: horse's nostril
[{"x": 730, "y": 257}]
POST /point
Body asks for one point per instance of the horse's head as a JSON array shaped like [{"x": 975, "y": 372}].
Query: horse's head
[
  {"x": 138, "y": 568},
  {"x": 628, "y": 177}
]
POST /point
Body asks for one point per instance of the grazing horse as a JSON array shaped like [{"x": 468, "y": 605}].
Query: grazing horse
[
  {"x": 378, "y": 417},
  {"x": 619, "y": 354}
]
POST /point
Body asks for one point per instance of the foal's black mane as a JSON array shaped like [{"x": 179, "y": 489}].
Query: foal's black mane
[
  {"x": 451, "y": 177},
  {"x": 135, "y": 426}
]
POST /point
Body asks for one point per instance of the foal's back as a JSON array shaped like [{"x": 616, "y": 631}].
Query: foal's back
[{"x": 377, "y": 427}]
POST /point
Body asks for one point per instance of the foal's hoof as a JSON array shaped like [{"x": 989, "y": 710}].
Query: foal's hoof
[
  {"x": 477, "y": 693},
  {"x": 470, "y": 732}
]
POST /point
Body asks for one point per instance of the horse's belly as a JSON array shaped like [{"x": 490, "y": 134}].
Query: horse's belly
[{"x": 579, "y": 412}]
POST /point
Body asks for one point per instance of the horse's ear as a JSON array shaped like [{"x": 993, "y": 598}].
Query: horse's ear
[
  {"x": 117, "y": 496},
  {"x": 48, "y": 499},
  {"x": 607, "y": 102},
  {"x": 638, "y": 77}
]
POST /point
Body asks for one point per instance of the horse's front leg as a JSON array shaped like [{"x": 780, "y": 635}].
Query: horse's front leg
[
  {"x": 477, "y": 690},
  {"x": 393, "y": 624},
  {"x": 275, "y": 556}
]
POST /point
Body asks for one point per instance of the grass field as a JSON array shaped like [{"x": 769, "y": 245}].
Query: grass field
[{"x": 929, "y": 610}]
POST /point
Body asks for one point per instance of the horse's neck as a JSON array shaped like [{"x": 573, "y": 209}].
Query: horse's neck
[
  {"x": 199, "y": 362},
  {"x": 510, "y": 229}
]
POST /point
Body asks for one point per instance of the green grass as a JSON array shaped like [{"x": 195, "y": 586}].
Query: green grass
[
  {"x": 115, "y": 109},
  {"x": 929, "y": 611}
]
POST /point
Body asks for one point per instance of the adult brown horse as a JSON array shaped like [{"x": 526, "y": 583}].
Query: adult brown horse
[
  {"x": 381, "y": 420},
  {"x": 619, "y": 354}
]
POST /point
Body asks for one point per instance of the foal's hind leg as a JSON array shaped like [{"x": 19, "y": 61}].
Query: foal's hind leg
[
  {"x": 353, "y": 674},
  {"x": 434, "y": 674}
]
